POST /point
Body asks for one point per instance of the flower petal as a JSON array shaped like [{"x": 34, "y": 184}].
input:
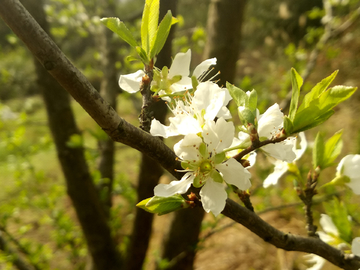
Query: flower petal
[
  {"x": 181, "y": 65},
  {"x": 204, "y": 66},
  {"x": 328, "y": 225},
  {"x": 283, "y": 150},
  {"x": 270, "y": 121},
  {"x": 355, "y": 246},
  {"x": 175, "y": 187},
  {"x": 213, "y": 197},
  {"x": 131, "y": 82},
  {"x": 218, "y": 135},
  {"x": 188, "y": 148},
  {"x": 280, "y": 168},
  {"x": 235, "y": 174}
]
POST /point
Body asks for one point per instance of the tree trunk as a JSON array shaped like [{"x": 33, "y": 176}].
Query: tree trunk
[
  {"x": 224, "y": 23},
  {"x": 80, "y": 186},
  {"x": 109, "y": 90},
  {"x": 150, "y": 170}
]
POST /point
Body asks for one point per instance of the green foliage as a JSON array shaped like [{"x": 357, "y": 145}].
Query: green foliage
[
  {"x": 163, "y": 205},
  {"x": 317, "y": 105},
  {"x": 153, "y": 37},
  {"x": 247, "y": 102},
  {"x": 339, "y": 214}
]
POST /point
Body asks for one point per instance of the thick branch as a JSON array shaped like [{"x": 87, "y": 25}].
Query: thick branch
[{"x": 119, "y": 130}]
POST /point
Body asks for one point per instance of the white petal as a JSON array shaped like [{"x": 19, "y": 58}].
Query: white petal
[
  {"x": 187, "y": 148},
  {"x": 131, "y": 82},
  {"x": 355, "y": 246},
  {"x": 158, "y": 129},
  {"x": 280, "y": 168},
  {"x": 175, "y": 187},
  {"x": 270, "y": 121},
  {"x": 235, "y": 174},
  {"x": 351, "y": 166},
  {"x": 184, "y": 124},
  {"x": 283, "y": 150},
  {"x": 181, "y": 65},
  {"x": 328, "y": 225},
  {"x": 355, "y": 185},
  {"x": 204, "y": 66},
  {"x": 303, "y": 146},
  {"x": 219, "y": 135},
  {"x": 182, "y": 85},
  {"x": 213, "y": 197},
  {"x": 319, "y": 261}
]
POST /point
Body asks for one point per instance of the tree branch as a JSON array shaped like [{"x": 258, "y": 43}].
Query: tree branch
[{"x": 46, "y": 51}]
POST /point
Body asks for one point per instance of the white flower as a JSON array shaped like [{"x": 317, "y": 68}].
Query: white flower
[
  {"x": 269, "y": 124},
  {"x": 355, "y": 246},
  {"x": 190, "y": 113},
  {"x": 282, "y": 167},
  {"x": 174, "y": 80},
  {"x": 205, "y": 166},
  {"x": 317, "y": 260},
  {"x": 349, "y": 166}
]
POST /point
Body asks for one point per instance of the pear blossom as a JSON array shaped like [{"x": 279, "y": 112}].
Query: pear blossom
[
  {"x": 176, "y": 79},
  {"x": 191, "y": 112},
  {"x": 269, "y": 123},
  {"x": 349, "y": 167},
  {"x": 281, "y": 167},
  {"x": 206, "y": 166},
  {"x": 355, "y": 246}
]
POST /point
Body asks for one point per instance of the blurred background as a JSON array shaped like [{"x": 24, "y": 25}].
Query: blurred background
[{"x": 256, "y": 48}]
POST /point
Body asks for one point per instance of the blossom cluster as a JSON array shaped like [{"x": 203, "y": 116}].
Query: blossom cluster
[{"x": 200, "y": 114}]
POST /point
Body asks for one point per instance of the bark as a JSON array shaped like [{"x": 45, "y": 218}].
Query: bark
[
  {"x": 109, "y": 90},
  {"x": 223, "y": 28},
  {"x": 150, "y": 170},
  {"x": 23, "y": 25},
  {"x": 80, "y": 186}
]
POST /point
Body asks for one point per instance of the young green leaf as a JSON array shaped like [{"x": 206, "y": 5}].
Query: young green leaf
[
  {"x": 318, "y": 90},
  {"x": 238, "y": 95},
  {"x": 296, "y": 82},
  {"x": 149, "y": 24},
  {"x": 253, "y": 101},
  {"x": 163, "y": 205},
  {"x": 119, "y": 28},
  {"x": 333, "y": 148},
  {"x": 339, "y": 214},
  {"x": 318, "y": 151},
  {"x": 161, "y": 35},
  {"x": 288, "y": 126}
]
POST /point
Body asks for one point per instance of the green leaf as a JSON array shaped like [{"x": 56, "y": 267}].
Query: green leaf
[
  {"x": 119, "y": 28},
  {"x": 318, "y": 151},
  {"x": 149, "y": 24},
  {"x": 163, "y": 205},
  {"x": 339, "y": 214},
  {"x": 75, "y": 141},
  {"x": 296, "y": 82},
  {"x": 253, "y": 101},
  {"x": 238, "y": 95},
  {"x": 329, "y": 99},
  {"x": 161, "y": 35},
  {"x": 309, "y": 119},
  {"x": 248, "y": 116},
  {"x": 143, "y": 56},
  {"x": 288, "y": 126},
  {"x": 333, "y": 148},
  {"x": 318, "y": 90}
]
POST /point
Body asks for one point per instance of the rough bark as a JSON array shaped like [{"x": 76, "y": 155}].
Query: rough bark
[
  {"x": 80, "y": 187},
  {"x": 109, "y": 90},
  {"x": 23, "y": 25},
  {"x": 150, "y": 170},
  {"x": 223, "y": 29}
]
